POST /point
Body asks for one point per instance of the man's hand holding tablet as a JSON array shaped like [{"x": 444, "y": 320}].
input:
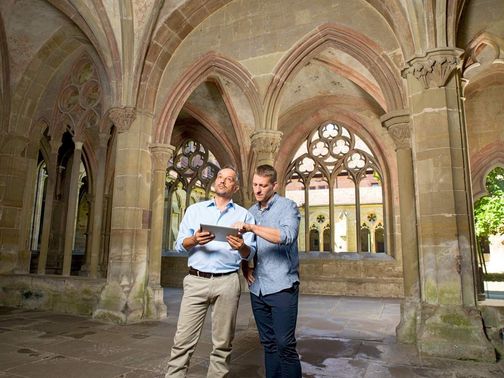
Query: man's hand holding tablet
[{"x": 220, "y": 233}]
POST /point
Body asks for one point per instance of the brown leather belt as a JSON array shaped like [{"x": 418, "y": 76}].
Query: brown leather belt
[{"x": 196, "y": 272}]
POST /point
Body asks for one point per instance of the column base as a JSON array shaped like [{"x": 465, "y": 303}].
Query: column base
[
  {"x": 8, "y": 261},
  {"x": 493, "y": 317},
  {"x": 112, "y": 304},
  {"x": 156, "y": 308},
  {"x": 455, "y": 332},
  {"x": 119, "y": 306},
  {"x": 406, "y": 330}
]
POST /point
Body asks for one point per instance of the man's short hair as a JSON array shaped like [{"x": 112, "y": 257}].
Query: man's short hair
[
  {"x": 233, "y": 168},
  {"x": 266, "y": 170}
]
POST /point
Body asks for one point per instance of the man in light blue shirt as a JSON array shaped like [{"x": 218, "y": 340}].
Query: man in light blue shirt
[
  {"x": 213, "y": 277},
  {"x": 274, "y": 282}
]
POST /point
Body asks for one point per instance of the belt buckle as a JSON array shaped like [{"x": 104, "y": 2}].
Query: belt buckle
[{"x": 197, "y": 272}]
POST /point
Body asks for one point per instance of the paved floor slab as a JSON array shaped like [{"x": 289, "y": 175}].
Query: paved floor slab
[{"x": 337, "y": 337}]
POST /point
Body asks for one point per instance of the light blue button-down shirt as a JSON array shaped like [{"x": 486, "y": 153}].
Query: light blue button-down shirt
[
  {"x": 216, "y": 256},
  {"x": 277, "y": 266}
]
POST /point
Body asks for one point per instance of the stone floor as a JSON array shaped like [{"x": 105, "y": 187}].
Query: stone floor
[{"x": 337, "y": 337}]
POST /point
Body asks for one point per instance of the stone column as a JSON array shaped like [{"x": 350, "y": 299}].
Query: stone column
[
  {"x": 450, "y": 325},
  {"x": 26, "y": 215},
  {"x": 52, "y": 175},
  {"x": 14, "y": 167},
  {"x": 125, "y": 298},
  {"x": 73, "y": 199},
  {"x": 265, "y": 144},
  {"x": 398, "y": 125},
  {"x": 96, "y": 233},
  {"x": 160, "y": 154}
]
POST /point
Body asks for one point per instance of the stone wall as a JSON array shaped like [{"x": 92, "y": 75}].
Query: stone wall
[
  {"x": 349, "y": 274},
  {"x": 70, "y": 295}
]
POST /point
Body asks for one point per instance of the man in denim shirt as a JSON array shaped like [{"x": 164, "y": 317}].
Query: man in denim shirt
[
  {"x": 212, "y": 280},
  {"x": 274, "y": 283}
]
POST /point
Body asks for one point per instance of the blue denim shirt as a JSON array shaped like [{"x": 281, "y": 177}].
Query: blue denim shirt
[
  {"x": 277, "y": 266},
  {"x": 216, "y": 256}
]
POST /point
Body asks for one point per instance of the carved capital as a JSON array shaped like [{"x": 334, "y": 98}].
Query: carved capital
[
  {"x": 266, "y": 144},
  {"x": 397, "y": 124},
  {"x": 434, "y": 69},
  {"x": 161, "y": 154},
  {"x": 122, "y": 117}
]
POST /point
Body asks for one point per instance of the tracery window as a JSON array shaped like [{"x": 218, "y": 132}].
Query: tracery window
[
  {"x": 335, "y": 172},
  {"x": 189, "y": 179}
]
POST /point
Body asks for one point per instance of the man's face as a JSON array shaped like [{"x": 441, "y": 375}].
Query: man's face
[
  {"x": 263, "y": 188},
  {"x": 225, "y": 183}
]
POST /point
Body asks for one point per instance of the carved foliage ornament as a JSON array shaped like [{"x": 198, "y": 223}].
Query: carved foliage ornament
[
  {"x": 266, "y": 142},
  {"x": 161, "y": 154},
  {"x": 122, "y": 117},
  {"x": 433, "y": 70},
  {"x": 401, "y": 135},
  {"x": 397, "y": 124}
]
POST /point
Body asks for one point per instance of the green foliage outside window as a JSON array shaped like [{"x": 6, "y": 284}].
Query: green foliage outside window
[{"x": 489, "y": 210}]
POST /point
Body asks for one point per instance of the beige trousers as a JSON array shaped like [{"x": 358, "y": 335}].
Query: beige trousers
[{"x": 223, "y": 295}]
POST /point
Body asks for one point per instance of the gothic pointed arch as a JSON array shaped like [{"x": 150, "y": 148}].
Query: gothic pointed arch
[
  {"x": 321, "y": 110},
  {"x": 209, "y": 66},
  {"x": 167, "y": 37},
  {"x": 397, "y": 18},
  {"x": 99, "y": 35},
  {"x": 347, "y": 40}
]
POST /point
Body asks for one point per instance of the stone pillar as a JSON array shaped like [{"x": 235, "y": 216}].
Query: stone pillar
[
  {"x": 52, "y": 175},
  {"x": 125, "y": 298},
  {"x": 97, "y": 213},
  {"x": 449, "y": 325},
  {"x": 160, "y": 154},
  {"x": 85, "y": 268},
  {"x": 398, "y": 125},
  {"x": 71, "y": 213},
  {"x": 26, "y": 215},
  {"x": 265, "y": 144},
  {"x": 14, "y": 167}
]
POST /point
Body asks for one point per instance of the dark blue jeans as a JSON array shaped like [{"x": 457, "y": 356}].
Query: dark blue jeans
[{"x": 276, "y": 316}]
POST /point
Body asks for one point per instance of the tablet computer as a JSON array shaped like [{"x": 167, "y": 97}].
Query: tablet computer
[{"x": 219, "y": 232}]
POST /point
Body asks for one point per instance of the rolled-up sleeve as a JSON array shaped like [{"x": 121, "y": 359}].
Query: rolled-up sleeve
[{"x": 289, "y": 225}]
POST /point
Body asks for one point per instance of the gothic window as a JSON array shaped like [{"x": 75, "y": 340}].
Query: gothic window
[
  {"x": 326, "y": 237},
  {"x": 314, "y": 239},
  {"x": 365, "y": 236},
  {"x": 335, "y": 172},
  {"x": 379, "y": 238},
  {"x": 189, "y": 178}
]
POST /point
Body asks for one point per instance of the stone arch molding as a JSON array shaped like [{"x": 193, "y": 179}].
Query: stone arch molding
[
  {"x": 482, "y": 164},
  {"x": 347, "y": 40},
  {"x": 209, "y": 66},
  {"x": 484, "y": 52}
]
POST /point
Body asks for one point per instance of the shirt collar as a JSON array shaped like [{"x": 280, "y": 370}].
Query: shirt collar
[
  {"x": 270, "y": 202},
  {"x": 229, "y": 205}
]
